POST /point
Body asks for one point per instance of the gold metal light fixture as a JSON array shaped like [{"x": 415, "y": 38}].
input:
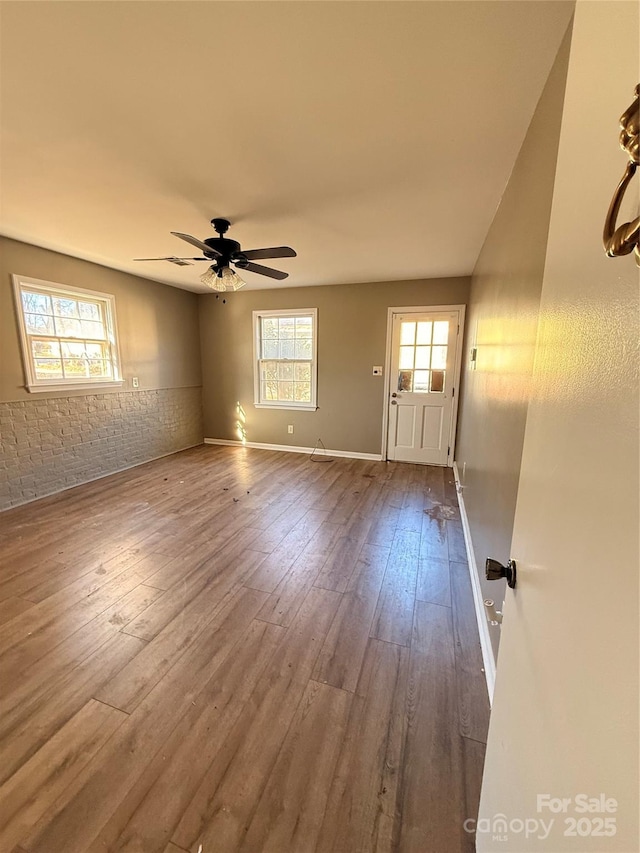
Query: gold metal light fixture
[
  {"x": 624, "y": 239},
  {"x": 222, "y": 279}
]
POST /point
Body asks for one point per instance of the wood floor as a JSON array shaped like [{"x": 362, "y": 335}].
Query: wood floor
[{"x": 240, "y": 650}]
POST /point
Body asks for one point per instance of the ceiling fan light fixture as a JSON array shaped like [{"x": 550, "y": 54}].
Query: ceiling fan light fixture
[{"x": 222, "y": 279}]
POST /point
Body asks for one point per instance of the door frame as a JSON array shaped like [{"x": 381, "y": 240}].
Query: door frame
[{"x": 419, "y": 309}]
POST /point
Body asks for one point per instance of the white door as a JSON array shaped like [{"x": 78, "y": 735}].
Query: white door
[{"x": 421, "y": 404}]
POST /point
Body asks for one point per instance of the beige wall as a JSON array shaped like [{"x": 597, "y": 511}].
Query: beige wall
[
  {"x": 157, "y": 325},
  {"x": 53, "y": 440},
  {"x": 502, "y": 321},
  {"x": 565, "y": 713},
  {"x": 352, "y": 326}
]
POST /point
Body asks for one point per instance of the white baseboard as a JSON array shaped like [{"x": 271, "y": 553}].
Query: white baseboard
[
  {"x": 478, "y": 599},
  {"x": 291, "y": 448}
]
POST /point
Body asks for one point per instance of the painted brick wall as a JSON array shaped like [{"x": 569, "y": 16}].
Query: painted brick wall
[{"x": 52, "y": 444}]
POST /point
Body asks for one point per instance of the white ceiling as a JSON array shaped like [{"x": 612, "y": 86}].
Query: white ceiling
[{"x": 376, "y": 138}]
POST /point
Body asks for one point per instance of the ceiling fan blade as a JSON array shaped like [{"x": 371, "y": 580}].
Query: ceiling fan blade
[
  {"x": 264, "y": 270},
  {"x": 172, "y": 258},
  {"x": 276, "y": 252},
  {"x": 197, "y": 243}
]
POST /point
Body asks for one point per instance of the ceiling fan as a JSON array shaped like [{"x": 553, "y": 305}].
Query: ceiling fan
[{"x": 223, "y": 252}]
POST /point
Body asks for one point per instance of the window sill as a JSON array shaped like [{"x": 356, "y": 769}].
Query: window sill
[
  {"x": 309, "y": 408},
  {"x": 79, "y": 386}
]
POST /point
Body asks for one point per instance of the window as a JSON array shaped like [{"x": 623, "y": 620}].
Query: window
[
  {"x": 423, "y": 356},
  {"x": 285, "y": 358},
  {"x": 68, "y": 336}
]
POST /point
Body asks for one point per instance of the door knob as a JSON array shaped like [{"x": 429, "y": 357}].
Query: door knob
[
  {"x": 394, "y": 403},
  {"x": 495, "y": 570}
]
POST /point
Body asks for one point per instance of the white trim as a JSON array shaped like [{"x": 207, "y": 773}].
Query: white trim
[
  {"x": 279, "y": 404},
  {"x": 478, "y": 599},
  {"x": 291, "y": 448},
  {"x": 423, "y": 309}
]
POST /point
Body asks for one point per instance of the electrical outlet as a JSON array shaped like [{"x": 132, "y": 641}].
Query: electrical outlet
[
  {"x": 135, "y": 382},
  {"x": 290, "y": 429}
]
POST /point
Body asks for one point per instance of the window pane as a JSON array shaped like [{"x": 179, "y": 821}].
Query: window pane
[
  {"x": 48, "y": 368},
  {"x": 68, "y": 328},
  {"x": 303, "y": 348},
  {"x": 89, "y": 311},
  {"x": 269, "y": 327},
  {"x": 304, "y": 327},
  {"x": 405, "y": 380},
  {"x": 90, "y": 329},
  {"x": 286, "y": 327},
  {"x": 285, "y": 391},
  {"x": 285, "y": 371},
  {"x": 74, "y": 367},
  {"x": 441, "y": 332},
  {"x": 406, "y": 358},
  {"x": 45, "y": 349},
  {"x": 422, "y": 357},
  {"x": 99, "y": 367},
  {"x": 287, "y": 349},
  {"x": 38, "y": 324},
  {"x": 302, "y": 392},
  {"x": 437, "y": 380},
  {"x": 407, "y": 333},
  {"x": 63, "y": 307},
  {"x": 269, "y": 370},
  {"x": 270, "y": 390},
  {"x": 36, "y": 303},
  {"x": 421, "y": 380},
  {"x": 439, "y": 358},
  {"x": 424, "y": 332},
  {"x": 96, "y": 350},
  {"x": 270, "y": 349},
  {"x": 73, "y": 349},
  {"x": 303, "y": 372}
]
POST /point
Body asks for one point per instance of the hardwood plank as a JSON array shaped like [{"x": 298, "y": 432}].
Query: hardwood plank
[
  {"x": 340, "y": 660},
  {"x": 361, "y": 813},
  {"x": 341, "y": 562},
  {"x": 471, "y": 685},
  {"x": 473, "y": 753},
  {"x": 291, "y": 810},
  {"x": 223, "y": 628},
  {"x": 394, "y": 614},
  {"x": 434, "y": 582},
  {"x": 152, "y": 809},
  {"x": 226, "y": 799},
  {"x": 286, "y": 599},
  {"x": 269, "y": 574},
  {"x": 433, "y": 540},
  {"x": 30, "y": 791},
  {"x": 12, "y": 607},
  {"x": 28, "y": 729},
  {"x": 430, "y": 790},
  {"x": 455, "y": 538}
]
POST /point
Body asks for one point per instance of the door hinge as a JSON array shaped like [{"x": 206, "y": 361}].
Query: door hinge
[
  {"x": 448, "y": 450},
  {"x": 453, "y": 393}
]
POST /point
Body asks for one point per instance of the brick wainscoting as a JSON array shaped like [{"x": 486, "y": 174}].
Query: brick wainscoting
[{"x": 51, "y": 444}]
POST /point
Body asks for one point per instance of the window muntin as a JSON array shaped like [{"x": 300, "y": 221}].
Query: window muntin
[
  {"x": 68, "y": 336},
  {"x": 285, "y": 364}
]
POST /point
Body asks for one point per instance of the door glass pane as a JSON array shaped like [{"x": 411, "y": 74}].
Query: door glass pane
[
  {"x": 406, "y": 358},
  {"x": 421, "y": 380},
  {"x": 407, "y": 333},
  {"x": 441, "y": 332},
  {"x": 405, "y": 380},
  {"x": 439, "y": 358},
  {"x": 437, "y": 380},
  {"x": 424, "y": 333},
  {"x": 422, "y": 357}
]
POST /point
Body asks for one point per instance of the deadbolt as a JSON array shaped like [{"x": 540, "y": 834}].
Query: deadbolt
[{"x": 495, "y": 570}]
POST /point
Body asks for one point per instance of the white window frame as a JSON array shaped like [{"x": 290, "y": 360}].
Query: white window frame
[
  {"x": 289, "y": 404},
  {"x": 50, "y": 288}
]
